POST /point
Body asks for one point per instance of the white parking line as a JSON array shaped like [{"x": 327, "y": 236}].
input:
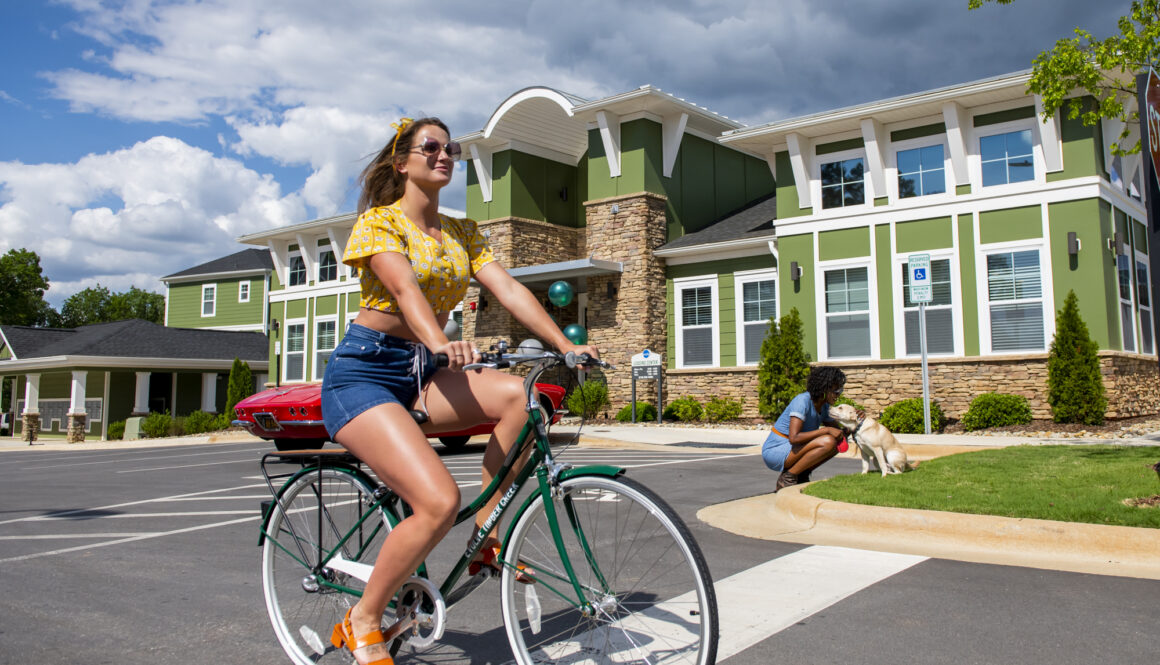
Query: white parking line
[
  {"x": 132, "y": 503},
  {"x": 187, "y": 466},
  {"x": 119, "y": 516},
  {"x": 127, "y": 461},
  {"x": 120, "y": 541},
  {"x": 65, "y": 536}
]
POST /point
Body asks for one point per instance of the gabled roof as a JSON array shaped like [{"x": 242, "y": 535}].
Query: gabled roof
[
  {"x": 133, "y": 338},
  {"x": 753, "y": 221},
  {"x": 245, "y": 261}
]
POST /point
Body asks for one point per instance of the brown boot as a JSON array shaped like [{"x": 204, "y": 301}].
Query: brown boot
[{"x": 785, "y": 480}]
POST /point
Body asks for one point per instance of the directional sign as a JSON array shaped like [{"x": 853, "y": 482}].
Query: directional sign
[
  {"x": 646, "y": 365},
  {"x": 919, "y": 266}
]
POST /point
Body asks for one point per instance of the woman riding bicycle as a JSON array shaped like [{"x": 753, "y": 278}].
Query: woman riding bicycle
[{"x": 414, "y": 267}]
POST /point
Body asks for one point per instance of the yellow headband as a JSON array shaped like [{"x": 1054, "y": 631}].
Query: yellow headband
[{"x": 400, "y": 127}]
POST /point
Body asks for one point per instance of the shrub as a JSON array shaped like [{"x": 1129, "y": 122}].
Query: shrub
[
  {"x": 1075, "y": 389},
  {"x": 905, "y": 417},
  {"x": 199, "y": 422},
  {"x": 588, "y": 399},
  {"x": 722, "y": 408},
  {"x": 222, "y": 421},
  {"x": 156, "y": 425},
  {"x": 117, "y": 430},
  {"x": 996, "y": 410},
  {"x": 685, "y": 409},
  {"x": 784, "y": 365},
  {"x": 645, "y": 412},
  {"x": 240, "y": 385}
]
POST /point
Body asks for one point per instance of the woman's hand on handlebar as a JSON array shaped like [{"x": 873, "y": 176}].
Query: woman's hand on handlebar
[
  {"x": 459, "y": 354},
  {"x": 578, "y": 349}
]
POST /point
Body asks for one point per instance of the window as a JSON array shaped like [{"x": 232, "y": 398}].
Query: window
[
  {"x": 297, "y": 270},
  {"x": 1143, "y": 295},
  {"x": 921, "y": 172},
  {"x": 327, "y": 266},
  {"x": 1015, "y": 299},
  {"x": 324, "y": 343},
  {"x": 295, "y": 352},
  {"x": 243, "y": 291},
  {"x": 695, "y": 338},
  {"x": 1127, "y": 320},
  {"x": 843, "y": 183},
  {"x": 940, "y": 329},
  {"x": 756, "y": 305},
  {"x": 208, "y": 305},
  {"x": 1007, "y": 158},
  {"x": 847, "y": 313}
]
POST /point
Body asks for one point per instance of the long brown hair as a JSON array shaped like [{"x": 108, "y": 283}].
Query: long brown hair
[{"x": 382, "y": 184}]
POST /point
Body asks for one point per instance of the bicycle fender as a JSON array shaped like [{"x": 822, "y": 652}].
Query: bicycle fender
[{"x": 606, "y": 470}]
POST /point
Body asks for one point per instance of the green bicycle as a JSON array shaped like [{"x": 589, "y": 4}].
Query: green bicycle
[{"x": 596, "y": 567}]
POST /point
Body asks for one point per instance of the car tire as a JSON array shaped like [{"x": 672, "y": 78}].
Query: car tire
[
  {"x": 298, "y": 444},
  {"x": 454, "y": 443}
]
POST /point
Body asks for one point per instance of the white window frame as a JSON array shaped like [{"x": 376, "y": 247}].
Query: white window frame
[
  {"x": 981, "y": 285},
  {"x": 868, "y": 193},
  {"x": 740, "y": 279},
  {"x": 1141, "y": 257},
  {"x": 213, "y": 292},
  {"x": 975, "y": 157},
  {"x": 318, "y": 369},
  {"x": 956, "y": 305},
  {"x": 872, "y": 298},
  {"x": 287, "y": 324},
  {"x": 1127, "y": 327},
  {"x": 693, "y": 283},
  {"x": 915, "y": 144},
  {"x": 296, "y": 254},
  {"x": 318, "y": 266},
  {"x": 244, "y": 291}
]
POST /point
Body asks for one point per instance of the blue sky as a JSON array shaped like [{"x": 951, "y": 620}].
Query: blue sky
[{"x": 139, "y": 138}]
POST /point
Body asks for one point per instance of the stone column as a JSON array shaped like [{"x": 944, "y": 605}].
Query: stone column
[
  {"x": 631, "y": 315},
  {"x": 141, "y": 397},
  {"x": 31, "y": 414},
  {"x": 77, "y": 416},
  {"x": 209, "y": 392}
]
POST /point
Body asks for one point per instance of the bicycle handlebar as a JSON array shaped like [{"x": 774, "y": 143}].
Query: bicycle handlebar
[{"x": 501, "y": 360}]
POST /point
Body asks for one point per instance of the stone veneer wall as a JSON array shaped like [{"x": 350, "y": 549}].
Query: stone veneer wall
[
  {"x": 77, "y": 424},
  {"x": 1132, "y": 382}
]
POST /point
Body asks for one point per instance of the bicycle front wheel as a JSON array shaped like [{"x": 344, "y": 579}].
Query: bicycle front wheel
[
  {"x": 306, "y": 595},
  {"x": 646, "y": 591}
]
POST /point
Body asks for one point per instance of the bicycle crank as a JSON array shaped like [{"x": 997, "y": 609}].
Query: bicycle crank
[{"x": 420, "y": 614}]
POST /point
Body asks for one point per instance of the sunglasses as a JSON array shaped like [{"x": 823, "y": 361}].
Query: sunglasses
[{"x": 430, "y": 147}]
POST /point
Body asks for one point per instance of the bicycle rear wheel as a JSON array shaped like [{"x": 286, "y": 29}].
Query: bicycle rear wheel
[
  {"x": 647, "y": 593},
  {"x": 305, "y": 600}
]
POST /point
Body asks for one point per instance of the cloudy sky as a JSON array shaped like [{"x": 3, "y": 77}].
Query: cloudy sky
[{"x": 140, "y": 137}]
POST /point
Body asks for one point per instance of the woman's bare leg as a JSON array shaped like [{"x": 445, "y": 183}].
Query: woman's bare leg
[
  {"x": 389, "y": 441},
  {"x": 811, "y": 454}
]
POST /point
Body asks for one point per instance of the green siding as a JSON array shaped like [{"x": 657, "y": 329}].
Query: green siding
[
  {"x": 924, "y": 234},
  {"x": 838, "y": 146},
  {"x": 122, "y": 393},
  {"x": 1005, "y": 116},
  {"x": 787, "y": 196},
  {"x": 843, "y": 244},
  {"x": 970, "y": 304},
  {"x": 1082, "y": 148},
  {"x": 295, "y": 309},
  {"x": 1089, "y": 273},
  {"x": 799, "y": 294},
  {"x": 962, "y": 190},
  {"x": 1010, "y": 224},
  {"x": 326, "y": 305},
  {"x": 185, "y": 304},
  {"x": 881, "y": 201},
  {"x": 885, "y": 269},
  {"x": 918, "y": 132},
  {"x": 727, "y": 326}
]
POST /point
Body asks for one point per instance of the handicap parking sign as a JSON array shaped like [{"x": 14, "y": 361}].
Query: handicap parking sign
[{"x": 919, "y": 265}]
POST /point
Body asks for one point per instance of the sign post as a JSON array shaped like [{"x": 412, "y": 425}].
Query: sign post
[
  {"x": 1148, "y": 100},
  {"x": 647, "y": 365},
  {"x": 918, "y": 266}
]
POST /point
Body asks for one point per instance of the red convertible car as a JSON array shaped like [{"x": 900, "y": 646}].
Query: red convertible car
[{"x": 291, "y": 416}]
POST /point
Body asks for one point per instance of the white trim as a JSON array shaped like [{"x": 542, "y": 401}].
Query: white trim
[
  {"x": 522, "y": 96},
  {"x": 679, "y": 344},
  {"x": 732, "y": 249},
  {"x": 609, "y": 125},
  {"x": 481, "y": 162},
  {"x": 289, "y": 268},
  {"x": 279, "y": 249},
  {"x": 212, "y": 302},
  {"x": 975, "y": 159},
  {"x": 1133, "y": 308},
  {"x": 313, "y": 343},
  {"x": 672, "y": 131},
  {"x": 875, "y": 140},
  {"x": 285, "y": 339},
  {"x": 1045, "y": 290},
  {"x": 958, "y": 125},
  {"x": 307, "y": 250},
  {"x": 800, "y": 152},
  {"x": 739, "y": 280},
  {"x": 338, "y": 266},
  {"x": 1046, "y": 133},
  {"x": 1141, "y": 257},
  {"x": 816, "y": 180},
  {"x": 339, "y": 288},
  {"x": 338, "y": 244},
  {"x": 245, "y": 283},
  {"x": 867, "y": 262}
]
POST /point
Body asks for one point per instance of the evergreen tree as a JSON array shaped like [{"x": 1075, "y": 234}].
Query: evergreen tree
[
  {"x": 241, "y": 385},
  {"x": 784, "y": 365},
  {"x": 1075, "y": 389}
]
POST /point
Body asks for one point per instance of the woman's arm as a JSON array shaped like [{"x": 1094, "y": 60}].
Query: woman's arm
[
  {"x": 518, "y": 300},
  {"x": 798, "y": 437}
]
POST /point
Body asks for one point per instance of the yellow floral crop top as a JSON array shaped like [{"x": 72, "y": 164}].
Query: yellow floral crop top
[{"x": 443, "y": 270}]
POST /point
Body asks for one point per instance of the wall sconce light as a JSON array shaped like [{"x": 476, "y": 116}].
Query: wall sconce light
[
  {"x": 1072, "y": 243},
  {"x": 564, "y": 193},
  {"x": 795, "y": 271},
  {"x": 611, "y": 291},
  {"x": 274, "y": 326},
  {"x": 1116, "y": 244}
]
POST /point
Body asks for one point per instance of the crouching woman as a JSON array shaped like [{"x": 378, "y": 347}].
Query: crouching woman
[{"x": 804, "y": 437}]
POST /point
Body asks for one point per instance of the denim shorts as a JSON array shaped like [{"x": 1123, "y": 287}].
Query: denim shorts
[
  {"x": 774, "y": 451},
  {"x": 369, "y": 368}
]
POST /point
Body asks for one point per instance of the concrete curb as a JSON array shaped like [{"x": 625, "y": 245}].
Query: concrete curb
[{"x": 792, "y": 516}]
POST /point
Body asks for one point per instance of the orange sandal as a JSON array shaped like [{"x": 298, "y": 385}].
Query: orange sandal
[
  {"x": 343, "y": 636},
  {"x": 489, "y": 560}
]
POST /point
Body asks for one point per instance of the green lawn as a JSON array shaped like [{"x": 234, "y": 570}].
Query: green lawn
[{"x": 1082, "y": 483}]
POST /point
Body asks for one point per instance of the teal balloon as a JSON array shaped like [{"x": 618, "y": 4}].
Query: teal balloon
[
  {"x": 560, "y": 293},
  {"x": 576, "y": 334}
]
